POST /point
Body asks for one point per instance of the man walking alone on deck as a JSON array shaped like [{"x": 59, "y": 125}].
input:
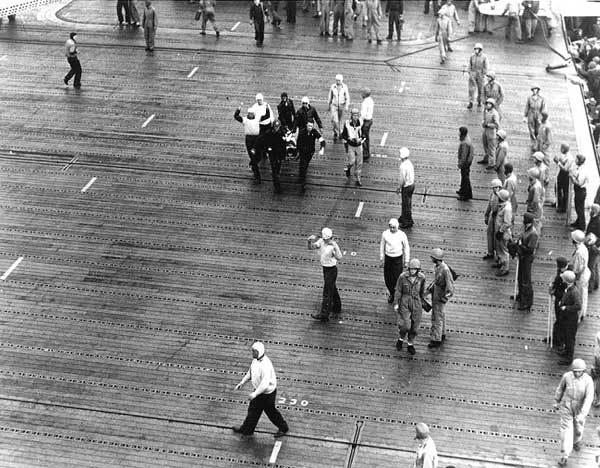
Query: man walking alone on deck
[{"x": 71, "y": 54}]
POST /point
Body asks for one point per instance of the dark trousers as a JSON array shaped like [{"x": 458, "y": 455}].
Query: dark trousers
[
  {"x": 304, "y": 161},
  {"x": 562, "y": 191},
  {"x": 290, "y": 9},
  {"x": 338, "y": 18},
  {"x": 392, "y": 268},
  {"x": 465, "y": 183},
  {"x": 332, "y": 304},
  {"x": 525, "y": 293},
  {"x": 275, "y": 160},
  {"x": 559, "y": 325},
  {"x": 252, "y": 143},
  {"x": 123, "y": 5},
  {"x": 74, "y": 71},
  {"x": 394, "y": 20},
  {"x": 569, "y": 333},
  {"x": 580, "y": 194},
  {"x": 405, "y": 218},
  {"x": 259, "y": 32},
  {"x": 366, "y": 129},
  {"x": 593, "y": 260},
  {"x": 263, "y": 402}
]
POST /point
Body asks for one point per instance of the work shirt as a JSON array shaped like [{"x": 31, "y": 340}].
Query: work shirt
[
  {"x": 306, "y": 140},
  {"x": 330, "y": 253},
  {"x": 528, "y": 242},
  {"x": 544, "y": 137},
  {"x": 263, "y": 377},
  {"x": 535, "y": 105},
  {"x": 407, "y": 173},
  {"x": 149, "y": 20},
  {"x": 491, "y": 120},
  {"x": 566, "y": 161},
  {"x": 352, "y": 132},
  {"x": 510, "y": 184},
  {"x": 410, "y": 293},
  {"x": 449, "y": 11},
  {"x": 478, "y": 64},
  {"x": 534, "y": 199},
  {"x": 366, "y": 108},
  {"x": 442, "y": 287},
  {"x": 492, "y": 207},
  {"x": 70, "y": 48},
  {"x": 579, "y": 260},
  {"x": 426, "y": 454},
  {"x": 251, "y": 126},
  {"x": 504, "y": 219},
  {"x": 394, "y": 244},
  {"x": 465, "y": 153},
  {"x": 306, "y": 114},
  {"x": 493, "y": 89},
  {"x": 339, "y": 95},
  {"x": 579, "y": 176},
  {"x": 576, "y": 393},
  {"x": 501, "y": 156}
]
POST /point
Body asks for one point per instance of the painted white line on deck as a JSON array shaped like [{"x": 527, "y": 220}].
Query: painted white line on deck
[
  {"x": 70, "y": 163},
  {"x": 89, "y": 184},
  {"x": 192, "y": 72},
  {"x": 12, "y": 267},
  {"x": 275, "y": 452},
  {"x": 359, "y": 209},
  {"x": 383, "y": 139},
  {"x": 235, "y": 26},
  {"x": 148, "y": 120},
  {"x": 4, "y": 57}
]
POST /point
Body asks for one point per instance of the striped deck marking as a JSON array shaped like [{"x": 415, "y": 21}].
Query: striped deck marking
[
  {"x": 275, "y": 452},
  {"x": 359, "y": 209},
  {"x": 70, "y": 163},
  {"x": 12, "y": 267},
  {"x": 235, "y": 26},
  {"x": 89, "y": 184},
  {"x": 383, "y": 139},
  {"x": 148, "y": 120},
  {"x": 193, "y": 72},
  {"x": 4, "y": 57}
]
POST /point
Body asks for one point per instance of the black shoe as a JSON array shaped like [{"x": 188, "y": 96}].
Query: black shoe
[
  {"x": 487, "y": 256},
  {"x": 66, "y": 82},
  {"x": 482, "y": 161},
  {"x": 470, "y": 105},
  {"x": 217, "y": 33},
  {"x": 502, "y": 273},
  {"x": 347, "y": 171},
  {"x": 77, "y": 86},
  {"x": 379, "y": 41},
  {"x": 399, "y": 344},
  {"x": 238, "y": 430},
  {"x": 203, "y": 33},
  {"x": 478, "y": 103},
  {"x": 524, "y": 307},
  {"x": 326, "y": 34},
  {"x": 389, "y": 38},
  {"x": 434, "y": 344},
  {"x": 450, "y": 49},
  {"x": 320, "y": 317},
  {"x": 443, "y": 338},
  {"x": 280, "y": 433},
  {"x": 411, "y": 350},
  {"x": 390, "y": 299},
  {"x": 358, "y": 183}
]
